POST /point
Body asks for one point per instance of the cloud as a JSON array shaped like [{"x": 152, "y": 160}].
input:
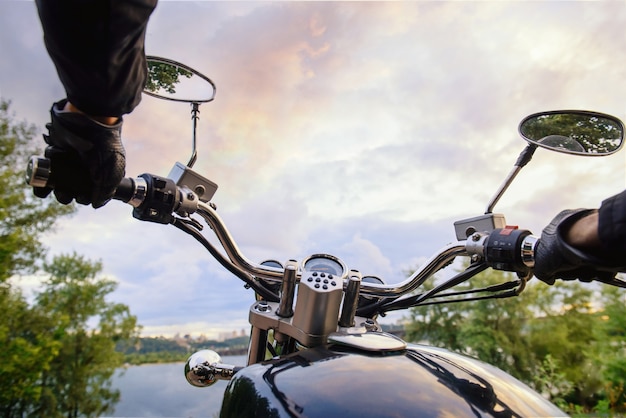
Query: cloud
[{"x": 362, "y": 252}]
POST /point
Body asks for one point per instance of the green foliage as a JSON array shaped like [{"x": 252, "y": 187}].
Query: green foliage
[
  {"x": 164, "y": 77},
  {"x": 566, "y": 332},
  {"x": 53, "y": 362},
  {"x": 487, "y": 329},
  {"x": 79, "y": 378},
  {"x": 28, "y": 346},
  {"x": 59, "y": 353},
  {"x": 568, "y": 341},
  {"x": 551, "y": 382},
  {"x": 22, "y": 216},
  {"x": 611, "y": 349},
  {"x": 156, "y": 357},
  {"x": 166, "y": 350},
  {"x": 153, "y": 350},
  {"x": 147, "y": 345}
]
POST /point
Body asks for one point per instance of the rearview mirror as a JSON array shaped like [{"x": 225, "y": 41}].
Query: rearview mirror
[
  {"x": 171, "y": 80},
  {"x": 574, "y": 132}
]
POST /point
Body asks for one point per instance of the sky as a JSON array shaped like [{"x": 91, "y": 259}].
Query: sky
[{"x": 357, "y": 129}]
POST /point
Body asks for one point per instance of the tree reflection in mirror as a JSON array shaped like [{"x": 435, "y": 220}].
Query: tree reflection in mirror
[
  {"x": 574, "y": 132},
  {"x": 162, "y": 76}
]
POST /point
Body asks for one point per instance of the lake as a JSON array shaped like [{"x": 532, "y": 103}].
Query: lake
[{"x": 161, "y": 390}]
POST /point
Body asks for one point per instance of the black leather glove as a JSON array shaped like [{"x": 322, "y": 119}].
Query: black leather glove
[
  {"x": 87, "y": 157},
  {"x": 556, "y": 259}
]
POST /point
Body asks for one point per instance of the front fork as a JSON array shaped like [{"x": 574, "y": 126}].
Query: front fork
[{"x": 258, "y": 345}]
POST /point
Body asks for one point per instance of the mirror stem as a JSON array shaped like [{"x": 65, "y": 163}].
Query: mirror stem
[
  {"x": 525, "y": 156},
  {"x": 195, "y": 110}
]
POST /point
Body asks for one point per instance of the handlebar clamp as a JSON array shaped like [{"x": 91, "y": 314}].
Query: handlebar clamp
[{"x": 161, "y": 200}]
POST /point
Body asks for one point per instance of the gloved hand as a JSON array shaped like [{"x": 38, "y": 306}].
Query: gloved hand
[
  {"x": 89, "y": 156},
  {"x": 556, "y": 259}
]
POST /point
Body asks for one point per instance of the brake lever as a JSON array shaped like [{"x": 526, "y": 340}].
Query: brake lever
[{"x": 192, "y": 223}]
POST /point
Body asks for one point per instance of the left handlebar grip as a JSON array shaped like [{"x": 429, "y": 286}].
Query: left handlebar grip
[
  {"x": 40, "y": 173},
  {"x": 126, "y": 191}
]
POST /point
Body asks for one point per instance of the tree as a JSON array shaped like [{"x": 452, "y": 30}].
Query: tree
[
  {"x": 78, "y": 382},
  {"x": 53, "y": 362},
  {"x": 28, "y": 346},
  {"x": 566, "y": 329},
  {"x": 563, "y": 340},
  {"x": 487, "y": 329},
  {"x": 612, "y": 346},
  {"x": 23, "y": 218},
  {"x": 438, "y": 324},
  {"x": 495, "y": 331}
]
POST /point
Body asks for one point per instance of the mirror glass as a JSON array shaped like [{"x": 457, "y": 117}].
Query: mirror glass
[
  {"x": 574, "y": 132},
  {"x": 171, "y": 80}
]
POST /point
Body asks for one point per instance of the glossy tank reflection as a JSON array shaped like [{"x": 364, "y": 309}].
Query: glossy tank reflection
[{"x": 419, "y": 381}]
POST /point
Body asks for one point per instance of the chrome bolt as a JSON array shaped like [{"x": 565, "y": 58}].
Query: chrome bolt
[
  {"x": 369, "y": 325},
  {"x": 262, "y": 306}
]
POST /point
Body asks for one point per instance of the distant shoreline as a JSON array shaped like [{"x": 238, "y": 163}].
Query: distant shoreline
[
  {"x": 137, "y": 359},
  {"x": 160, "y": 350}
]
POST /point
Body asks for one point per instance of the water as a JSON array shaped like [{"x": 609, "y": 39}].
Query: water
[{"x": 160, "y": 390}]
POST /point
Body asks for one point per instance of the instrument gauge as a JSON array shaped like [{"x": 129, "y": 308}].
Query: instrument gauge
[{"x": 325, "y": 263}]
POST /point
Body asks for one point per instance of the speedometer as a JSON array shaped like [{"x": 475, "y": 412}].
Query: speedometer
[{"x": 325, "y": 263}]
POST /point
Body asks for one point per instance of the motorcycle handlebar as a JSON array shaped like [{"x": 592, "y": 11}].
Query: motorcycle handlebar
[{"x": 156, "y": 199}]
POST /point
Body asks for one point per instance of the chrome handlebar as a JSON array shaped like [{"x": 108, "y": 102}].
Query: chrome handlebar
[
  {"x": 188, "y": 203},
  {"x": 238, "y": 260},
  {"x": 142, "y": 193}
]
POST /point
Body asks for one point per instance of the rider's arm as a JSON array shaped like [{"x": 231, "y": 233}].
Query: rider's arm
[
  {"x": 604, "y": 231},
  {"x": 106, "y": 120},
  {"x": 612, "y": 225},
  {"x": 584, "y": 243},
  {"x": 583, "y": 234},
  {"x": 97, "y": 47}
]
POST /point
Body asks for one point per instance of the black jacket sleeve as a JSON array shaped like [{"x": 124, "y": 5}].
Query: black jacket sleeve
[
  {"x": 612, "y": 227},
  {"x": 97, "y": 47}
]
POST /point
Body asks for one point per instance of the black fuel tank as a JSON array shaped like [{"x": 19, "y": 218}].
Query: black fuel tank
[{"x": 420, "y": 381}]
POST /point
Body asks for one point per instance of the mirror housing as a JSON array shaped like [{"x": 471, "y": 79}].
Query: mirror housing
[
  {"x": 574, "y": 132},
  {"x": 170, "y": 80}
]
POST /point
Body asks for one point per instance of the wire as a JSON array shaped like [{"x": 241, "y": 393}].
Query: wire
[{"x": 249, "y": 280}]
